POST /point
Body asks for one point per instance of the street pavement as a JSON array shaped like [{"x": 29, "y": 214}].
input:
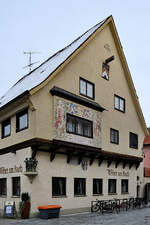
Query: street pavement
[{"x": 133, "y": 217}]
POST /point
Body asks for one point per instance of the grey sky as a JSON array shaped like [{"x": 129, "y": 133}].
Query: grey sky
[{"x": 49, "y": 25}]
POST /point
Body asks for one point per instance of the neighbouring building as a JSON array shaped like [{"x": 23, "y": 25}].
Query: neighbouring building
[
  {"x": 146, "y": 151},
  {"x": 78, "y": 115}
]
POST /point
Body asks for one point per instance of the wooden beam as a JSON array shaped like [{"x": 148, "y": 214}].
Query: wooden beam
[
  {"x": 117, "y": 163},
  {"x": 34, "y": 152},
  {"x": 109, "y": 162},
  {"x": 137, "y": 165},
  {"x": 13, "y": 151},
  {"x": 124, "y": 164},
  {"x": 80, "y": 157},
  {"x": 100, "y": 162},
  {"x": 68, "y": 158},
  {"x": 91, "y": 161},
  {"x": 52, "y": 156}
]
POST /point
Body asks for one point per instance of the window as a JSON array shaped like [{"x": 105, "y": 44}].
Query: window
[
  {"x": 119, "y": 103},
  {"x": 112, "y": 186},
  {"x": 133, "y": 140},
  {"x": 22, "y": 120},
  {"x": 124, "y": 186},
  {"x": 3, "y": 187},
  {"x": 79, "y": 186},
  {"x": 6, "y": 128},
  {"x": 114, "y": 136},
  {"x": 86, "y": 88},
  {"x": 97, "y": 186},
  {"x": 16, "y": 186},
  {"x": 58, "y": 186},
  {"x": 79, "y": 126}
]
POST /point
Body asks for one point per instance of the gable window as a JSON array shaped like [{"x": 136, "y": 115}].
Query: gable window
[
  {"x": 6, "y": 128},
  {"x": 112, "y": 186},
  {"x": 22, "y": 120},
  {"x": 119, "y": 103},
  {"x": 114, "y": 136},
  {"x": 133, "y": 140},
  {"x": 97, "y": 186},
  {"x": 124, "y": 186},
  {"x": 86, "y": 88},
  {"x": 79, "y": 126},
  {"x": 3, "y": 187},
  {"x": 16, "y": 186},
  {"x": 79, "y": 186},
  {"x": 58, "y": 186}
]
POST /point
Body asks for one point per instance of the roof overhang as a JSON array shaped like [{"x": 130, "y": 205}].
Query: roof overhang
[
  {"x": 19, "y": 100},
  {"x": 72, "y": 149}
]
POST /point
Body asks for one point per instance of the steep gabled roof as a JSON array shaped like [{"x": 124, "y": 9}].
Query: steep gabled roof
[
  {"x": 41, "y": 73},
  {"x": 37, "y": 78}
]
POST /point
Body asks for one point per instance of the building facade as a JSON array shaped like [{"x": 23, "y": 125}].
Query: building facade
[
  {"x": 72, "y": 130},
  {"x": 146, "y": 152}
]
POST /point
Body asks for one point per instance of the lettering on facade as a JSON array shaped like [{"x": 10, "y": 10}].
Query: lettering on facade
[
  {"x": 111, "y": 172},
  {"x": 15, "y": 169}
]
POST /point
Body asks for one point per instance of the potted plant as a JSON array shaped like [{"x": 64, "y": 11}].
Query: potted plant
[{"x": 25, "y": 205}]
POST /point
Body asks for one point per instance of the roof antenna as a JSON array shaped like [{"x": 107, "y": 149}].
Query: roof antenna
[{"x": 30, "y": 61}]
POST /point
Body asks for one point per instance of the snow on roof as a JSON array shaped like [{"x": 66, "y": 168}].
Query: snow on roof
[{"x": 41, "y": 73}]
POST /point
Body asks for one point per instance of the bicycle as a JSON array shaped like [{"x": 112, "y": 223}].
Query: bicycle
[{"x": 96, "y": 207}]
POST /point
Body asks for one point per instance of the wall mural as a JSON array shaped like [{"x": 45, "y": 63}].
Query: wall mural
[{"x": 61, "y": 107}]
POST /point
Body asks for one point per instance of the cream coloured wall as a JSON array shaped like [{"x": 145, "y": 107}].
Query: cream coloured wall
[
  {"x": 40, "y": 189},
  {"x": 88, "y": 64},
  {"x": 23, "y": 135},
  {"x": 42, "y": 185},
  {"x": 9, "y": 161}
]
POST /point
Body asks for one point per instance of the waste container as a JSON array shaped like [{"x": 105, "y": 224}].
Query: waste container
[{"x": 49, "y": 211}]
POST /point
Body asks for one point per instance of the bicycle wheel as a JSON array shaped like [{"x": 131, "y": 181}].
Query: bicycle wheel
[{"x": 95, "y": 207}]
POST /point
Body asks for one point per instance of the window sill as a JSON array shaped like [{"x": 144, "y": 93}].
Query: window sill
[
  {"x": 80, "y": 195},
  {"x": 3, "y": 137},
  {"x": 18, "y": 130},
  {"x": 79, "y": 135},
  {"x": 92, "y": 98},
  {"x": 125, "y": 193},
  {"x": 3, "y": 196},
  {"x": 112, "y": 193},
  {"x": 114, "y": 143},
  {"x": 119, "y": 110},
  {"x": 15, "y": 196},
  {"x": 133, "y": 147},
  {"x": 59, "y": 196},
  {"x": 97, "y": 194}
]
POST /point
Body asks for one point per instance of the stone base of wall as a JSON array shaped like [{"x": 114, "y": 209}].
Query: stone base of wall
[
  {"x": 74, "y": 211},
  {"x": 64, "y": 212}
]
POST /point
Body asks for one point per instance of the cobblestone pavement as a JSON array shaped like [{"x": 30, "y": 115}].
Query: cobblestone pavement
[{"x": 133, "y": 217}]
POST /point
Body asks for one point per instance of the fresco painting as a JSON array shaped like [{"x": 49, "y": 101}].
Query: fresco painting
[{"x": 61, "y": 107}]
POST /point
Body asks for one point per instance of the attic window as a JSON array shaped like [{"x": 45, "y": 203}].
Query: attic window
[
  {"x": 105, "y": 71},
  {"x": 105, "y": 67}
]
